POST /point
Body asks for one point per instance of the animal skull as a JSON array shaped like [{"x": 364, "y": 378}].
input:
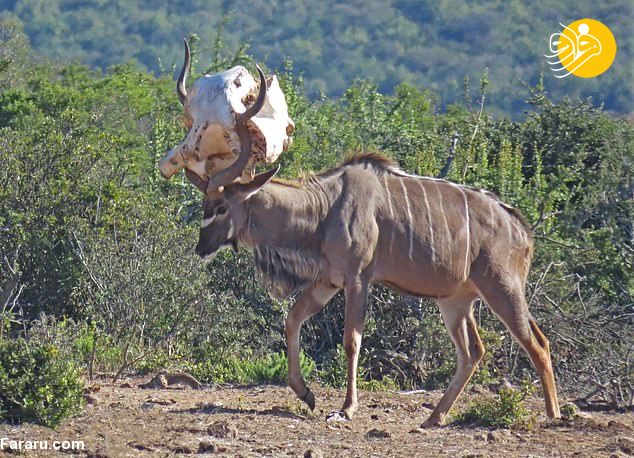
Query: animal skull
[{"x": 213, "y": 143}]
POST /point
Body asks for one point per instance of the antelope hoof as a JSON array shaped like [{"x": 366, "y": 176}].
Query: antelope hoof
[
  {"x": 309, "y": 399},
  {"x": 337, "y": 416}
]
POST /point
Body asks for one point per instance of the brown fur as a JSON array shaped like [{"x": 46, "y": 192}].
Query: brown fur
[
  {"x": 166, "y": 379},
  {"x": 368, "y": 222}
]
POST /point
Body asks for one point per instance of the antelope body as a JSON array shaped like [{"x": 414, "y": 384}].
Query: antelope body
[{"x": 368, "y": 222}]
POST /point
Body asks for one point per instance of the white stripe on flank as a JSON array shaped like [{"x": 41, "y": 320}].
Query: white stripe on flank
[
  {"x": 207, "y": 221},
  {"x": 491, "y": 214},
  {"x": 410, "y": 221},
  {"x": 518, "y": 230},
  {"x": 509, "y": 225},
  {"x": 389, "y": 195},
  {"x": 429, "y": 222},
  {"x": 444, "y": 217},
  {"x": 389, "y": 202},
  {"x": 466, "y": 209}
]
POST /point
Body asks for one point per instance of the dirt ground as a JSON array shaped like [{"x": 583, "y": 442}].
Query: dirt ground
[{"x": 122, "y": 420}]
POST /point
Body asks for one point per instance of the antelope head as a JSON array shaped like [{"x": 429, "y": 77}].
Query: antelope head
[{"x": 225, "y": 211}]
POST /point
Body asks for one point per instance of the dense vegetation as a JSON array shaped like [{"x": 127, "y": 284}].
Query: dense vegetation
[
  {"x": 506, "y": 410},
  {"x": 37, "y": 384},
  {"x": 96, "y": 248},
  {"x": 432, "y": 44}
]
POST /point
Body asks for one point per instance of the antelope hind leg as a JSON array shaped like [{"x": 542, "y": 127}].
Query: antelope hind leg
[
  {"x": 457, "y": 315},
  {"x": 511, "y": 308}
]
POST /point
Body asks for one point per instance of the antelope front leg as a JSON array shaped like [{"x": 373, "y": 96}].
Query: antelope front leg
[
  {"x": 310, "y": 302},
  {"x": 356, "y": 302}
]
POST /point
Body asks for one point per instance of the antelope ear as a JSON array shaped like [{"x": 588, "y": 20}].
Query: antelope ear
[{"x": 259, "y": 181}]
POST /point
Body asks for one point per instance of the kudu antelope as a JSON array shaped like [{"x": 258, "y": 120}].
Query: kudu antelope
[{"x": 369, "y": 222}]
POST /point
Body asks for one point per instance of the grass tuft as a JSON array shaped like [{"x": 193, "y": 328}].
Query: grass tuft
[{"x": 505, "y": 410}]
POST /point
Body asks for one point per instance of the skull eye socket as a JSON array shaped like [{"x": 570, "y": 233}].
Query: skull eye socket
[{"x": 221, "y": 211}]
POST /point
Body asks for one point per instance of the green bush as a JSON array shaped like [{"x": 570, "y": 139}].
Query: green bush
[
  {"x": 271, "y": 368},
  {"x": 439, "y": 377},
  {"x": 154, "y": 362},
  {"x": 486, "y": 372},
  {"x": 505, "y": 410},
  {"x": 84, "y": 343},
  {"x": 37, "y": 384},
  {"x": 227, "y": 371},
  {"x": 334, "y": 372},
  {"x": 385, "y": 384}
]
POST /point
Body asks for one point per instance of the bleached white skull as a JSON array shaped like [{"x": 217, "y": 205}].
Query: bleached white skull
[{"x": 212, "y": 105}]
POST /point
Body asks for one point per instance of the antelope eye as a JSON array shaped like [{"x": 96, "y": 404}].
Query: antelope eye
[{"x": 221, "y": 210}]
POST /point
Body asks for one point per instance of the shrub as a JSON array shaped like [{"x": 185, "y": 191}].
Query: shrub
[
  {"x": 334, "y": 372},
  {"x": 505, "y": 410},
  {"x": 439, "y": 377},
  {"x": 271, "y": 368},
  {"x": 385, "y": 384},
  {"x": 37, "y": 384},
  {"x": 84, "y": 343},
  {"x": 228, "y": 371},
  {"x": 334, "y": 369}
]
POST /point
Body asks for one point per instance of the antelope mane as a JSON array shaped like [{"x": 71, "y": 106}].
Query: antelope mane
[{"x": 286, "y": 271}]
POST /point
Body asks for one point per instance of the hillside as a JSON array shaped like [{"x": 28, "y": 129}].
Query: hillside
[{"x": 431, "y": 44}]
